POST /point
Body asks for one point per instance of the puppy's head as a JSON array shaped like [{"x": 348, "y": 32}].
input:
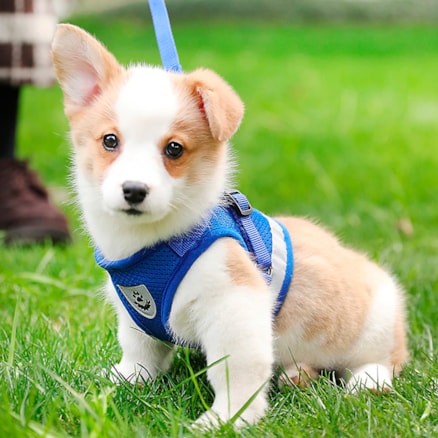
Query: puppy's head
[{"x": 150, "y": 147}]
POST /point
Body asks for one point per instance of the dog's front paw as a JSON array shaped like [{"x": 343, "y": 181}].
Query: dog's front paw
[
  {"x": 207, "y": 421},
  {"x": 211, "y": 420},
  {"x": 135, "y": 374},
  {"x": 243, "y": 417}
]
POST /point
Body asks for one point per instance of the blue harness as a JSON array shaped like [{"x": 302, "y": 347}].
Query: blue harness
[{"x": 147, "y": 281}]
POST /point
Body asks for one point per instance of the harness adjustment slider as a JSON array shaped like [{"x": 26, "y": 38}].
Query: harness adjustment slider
[{"x": 239, "y": 202}]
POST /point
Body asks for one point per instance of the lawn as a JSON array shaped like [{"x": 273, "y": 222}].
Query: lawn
[{"x": 342, "y": 126}]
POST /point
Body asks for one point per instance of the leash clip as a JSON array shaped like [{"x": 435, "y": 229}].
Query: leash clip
[{"x": 239, "y": 202}]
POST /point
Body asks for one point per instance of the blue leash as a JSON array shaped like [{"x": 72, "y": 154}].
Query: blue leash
[{"x": 163, "y": 33}]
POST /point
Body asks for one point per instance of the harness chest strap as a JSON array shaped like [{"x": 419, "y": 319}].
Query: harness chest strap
[{"x": 146, "y": 282}]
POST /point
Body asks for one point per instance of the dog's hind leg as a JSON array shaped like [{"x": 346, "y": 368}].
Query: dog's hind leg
[
  {"x": 300, "y": 375},
  {"x": 375, "y": 377}
]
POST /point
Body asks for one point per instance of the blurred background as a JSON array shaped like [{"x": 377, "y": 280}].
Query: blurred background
[{"x": 284, "y": 10}]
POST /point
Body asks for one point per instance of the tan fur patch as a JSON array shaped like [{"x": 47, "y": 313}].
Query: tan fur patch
[
  {"x": 328, "y": 295},
  {"x": 222, "y": 107},
  {"x": 84, "y": 69},
  {"x": 88, "y": 128},
  {"x": 242, "y": 270},
  {"x": 202, "y": 154},
  {"x": 305, "y": 377},
  {"x": 88, "y": 58}
]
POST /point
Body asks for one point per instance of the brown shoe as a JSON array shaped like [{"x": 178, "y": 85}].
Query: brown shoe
[{"x": 26, "y": 214}]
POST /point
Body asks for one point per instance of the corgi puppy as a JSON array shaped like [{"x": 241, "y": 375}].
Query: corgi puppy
[{"x": 151, "y": 165}]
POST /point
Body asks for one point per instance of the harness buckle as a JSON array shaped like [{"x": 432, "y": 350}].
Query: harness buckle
[{"x": 239, "y": 202}]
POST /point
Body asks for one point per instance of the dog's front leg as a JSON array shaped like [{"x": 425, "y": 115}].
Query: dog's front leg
[
  {"x": 238, "y": 338},
  {"x": 142, "y": 356},
  {"x": 225, "y": 306}
]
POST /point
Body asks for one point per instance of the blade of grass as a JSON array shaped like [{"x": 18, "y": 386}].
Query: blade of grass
[
  {"x": 48, "y": 256},
  {"x": 37, "y": 428},
  {"x": 13, "y": 340},
  {"x": 80, "y": 398},
  {"x": 194, "y": 380}
]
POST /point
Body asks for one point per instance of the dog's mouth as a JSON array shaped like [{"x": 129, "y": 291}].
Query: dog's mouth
[
  {"x": 133, "y": 212},
  {"x": 143, "y": 214}
]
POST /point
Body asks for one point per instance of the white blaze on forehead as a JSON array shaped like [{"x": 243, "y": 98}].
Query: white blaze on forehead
[
  {"x": 146, "y": 108},
  {"x": 147, "y": 105}
]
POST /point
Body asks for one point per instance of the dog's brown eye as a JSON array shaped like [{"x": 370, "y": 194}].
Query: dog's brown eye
[
  {"x": 173, "y": 150},
  {"x": 110, "y": 142}
]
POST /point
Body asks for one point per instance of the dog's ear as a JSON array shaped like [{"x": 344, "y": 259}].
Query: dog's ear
[
  {"x": 82, "y": 65},
  {"x": 220, "y": 103}
]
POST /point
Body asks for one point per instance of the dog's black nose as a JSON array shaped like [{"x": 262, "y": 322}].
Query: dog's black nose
[{"x": 134, "y": 192}]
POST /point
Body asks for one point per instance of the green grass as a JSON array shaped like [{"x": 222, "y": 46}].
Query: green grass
[{"x": 342, "y": 126}]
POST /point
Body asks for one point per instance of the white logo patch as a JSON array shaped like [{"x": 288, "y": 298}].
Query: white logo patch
[{"x": 141, "y": 299}]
